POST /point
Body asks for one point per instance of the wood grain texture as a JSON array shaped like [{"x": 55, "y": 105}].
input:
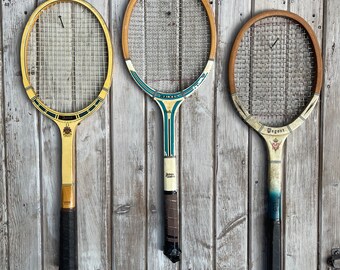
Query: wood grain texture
[
  {"x": 50, "y": 144},
  {"x": 3, "y": 180},
  {"x": 22, "y": 148},
  {"x": 231, "y": 170},
  {"x": 258, "y": 180},
  {"x": 94, "y": 181},
  {"x": 302, "y": 171},
  {"x": 329, "y": 236},
  {"x": 223, "y": 164},
  {"x": 197, "y": 117},
  {"x": 128, "y": 160}
]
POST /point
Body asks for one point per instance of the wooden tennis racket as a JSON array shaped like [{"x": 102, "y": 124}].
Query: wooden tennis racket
[
  {"x": 66, "y": 64},
  {"x": 275, "y": 75},
  {"x": 169, "y": 48}
]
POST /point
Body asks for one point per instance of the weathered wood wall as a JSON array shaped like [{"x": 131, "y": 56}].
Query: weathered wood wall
[{"x": 222, "y": 164}]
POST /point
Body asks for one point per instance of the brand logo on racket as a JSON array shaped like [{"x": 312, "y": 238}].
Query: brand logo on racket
[
  {"x": 67, "y": 131},
  {"x": 276, "y": 144},
  {"x": 275, "y": 131},
  {"x": 170, "y": 175}
]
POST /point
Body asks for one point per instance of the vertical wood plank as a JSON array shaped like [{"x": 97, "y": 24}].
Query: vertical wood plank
[
  {"x": 197, "y": 178},
  {"x": 260, "y": 5},
  {"x": 128, "y": 164},
  {"x": 302, "y": 170},
  {"x": 51, "y": 183},
  {"x": 196, "y": 171},
  {"x": 155, "y": 181},
  {"x": 258, "y": 181},
  {"x": 329, "y": 237},
  {"x": 94, "y": 180},
  {"x": 231, "y": 149},
  {"x": 3, "y": 180},
  {"x": 22, "y": 145}
]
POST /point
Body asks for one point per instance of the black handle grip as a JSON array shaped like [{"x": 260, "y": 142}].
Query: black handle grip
[
  {"x": 68, "y": 240},
  {"x": 171, "y": 244},
  {"x": 275, "y": 245}
]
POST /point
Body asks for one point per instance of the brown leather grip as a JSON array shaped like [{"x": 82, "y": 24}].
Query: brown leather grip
[{"x": 171, "y": 246}]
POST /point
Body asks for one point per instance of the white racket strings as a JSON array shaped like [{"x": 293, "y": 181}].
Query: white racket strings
[
  {"x": 275, "y": 70},
  {"x": 169, "y": 42},
  {"x": 67, "y": 57}
]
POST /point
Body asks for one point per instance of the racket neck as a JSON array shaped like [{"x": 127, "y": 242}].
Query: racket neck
[
  {"x": 68, "y": 135},
  {"x": 169, "y": 110},
  {"x": 275, "y": 146}
]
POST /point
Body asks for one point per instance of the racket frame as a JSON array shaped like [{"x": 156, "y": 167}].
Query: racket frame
[
  {"x": 67, "y": 122},
  {"x": 275, "y": 137},
  {"x": 169, "y": 103}
]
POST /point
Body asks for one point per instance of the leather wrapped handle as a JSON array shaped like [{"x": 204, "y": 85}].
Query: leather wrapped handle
[
  {"x": 171, "y": 245},
  {"x": 68, "y": 240}
]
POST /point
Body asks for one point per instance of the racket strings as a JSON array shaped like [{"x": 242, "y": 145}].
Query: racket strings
[
  {"x": 275, "y": 70},
  {"x": 67, "y": 57},
  {"x": 169, "y": 42}
]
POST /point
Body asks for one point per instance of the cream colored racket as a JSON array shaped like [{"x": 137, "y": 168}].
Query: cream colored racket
[{"x": 275, "y": 74}]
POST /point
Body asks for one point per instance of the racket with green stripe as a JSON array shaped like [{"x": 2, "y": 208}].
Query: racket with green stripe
[
  {"x": 169, "y": 48},
  {"x": 275, "y": 75}
]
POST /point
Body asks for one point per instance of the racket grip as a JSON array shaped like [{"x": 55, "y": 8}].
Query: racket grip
[
  {"x": 275, "y": 244},
  {"x": 171, "y": 245},
  {"x": 68, "y": 240}
]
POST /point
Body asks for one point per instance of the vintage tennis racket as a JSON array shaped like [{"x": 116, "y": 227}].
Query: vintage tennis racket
[
  {"x": 66, "y": 63},
  {"x": 275, "y": 74},
  {"x": 169, "y": 48}
]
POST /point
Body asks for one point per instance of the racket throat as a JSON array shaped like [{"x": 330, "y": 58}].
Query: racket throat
[
  {"x": 275, "y": 146},
  {"x": 169, "y": 110},
  {"x": 68, "y": 190}
]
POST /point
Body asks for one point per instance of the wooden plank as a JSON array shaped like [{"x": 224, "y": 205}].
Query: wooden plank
[
  {"x": 128, "y": 163},
  {"x": 3, "y": 180},
  {"x": 155, "y": 181},
  {"x": 94, "y": 181},
  {"x": 51, "y": 180},
  {"x": 329, "y": 237},
  {"x": 302, "y": 170},
  {"x": 196, "y": 174},
  {"x": 258, "y": 180},
  {"x": 231, "y": 150},
  {"x": 259, "y": 6},
  {"x": 22, "y": 147}
]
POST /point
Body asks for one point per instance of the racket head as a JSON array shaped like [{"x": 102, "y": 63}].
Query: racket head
[
  {"x": 54, "y": 24},
  {"x": 162, "y": 67},
  {"x": 274, "y": 102}
]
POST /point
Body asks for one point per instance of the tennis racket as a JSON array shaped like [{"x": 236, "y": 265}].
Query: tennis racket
[
  {"x": 169, "y": 48},
  {"x": 275, "y": 75},
  {"x": 66, "y": 64}
]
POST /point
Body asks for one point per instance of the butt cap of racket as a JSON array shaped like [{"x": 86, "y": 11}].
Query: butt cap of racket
[{"x": 172, "y": 251}]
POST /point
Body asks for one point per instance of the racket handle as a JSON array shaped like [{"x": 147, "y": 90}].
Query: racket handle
[
  {"x": 68, "y": 240},
  {"x": 171, "y": 245},
  {"x": 275, "y": 244}
]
